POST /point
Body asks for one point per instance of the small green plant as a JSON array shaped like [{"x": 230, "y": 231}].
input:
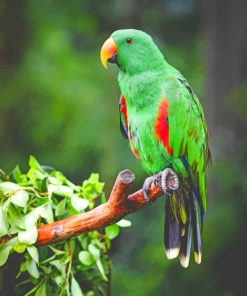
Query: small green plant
[{"x": 78, "y": 266}]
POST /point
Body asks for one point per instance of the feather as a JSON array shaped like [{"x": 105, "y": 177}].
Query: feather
[
  {"x": 196, "y": 230},
  {"x": 189, "y": 135},
  {"x": 194, "y": 188},
  {"x": 161, "y": 125},
  {"x": 172, "y": 232},
  {"x": 184, "y": 254},
  {"x": 123, "y": 117}
]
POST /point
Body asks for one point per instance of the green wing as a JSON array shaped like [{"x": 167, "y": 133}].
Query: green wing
[{"x": 188, "y": 135}]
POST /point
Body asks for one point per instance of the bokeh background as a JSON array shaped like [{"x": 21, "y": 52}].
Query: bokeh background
[{"x": 59, "y": 104}]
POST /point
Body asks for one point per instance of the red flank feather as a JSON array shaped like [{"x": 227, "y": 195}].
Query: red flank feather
[
  {"x": 161, "y": 126},
  {"x": 123, "y": 109}
]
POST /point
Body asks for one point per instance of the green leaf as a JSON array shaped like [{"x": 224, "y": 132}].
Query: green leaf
[
  {"x": 9, "y": 187},
  {"x": 72, "y": 185},
  {"x": 101, "y": 270},
  {"x": 59, "y": 280},
  {"x": 47, "y": 213},
  {"x": 5, "y": 249},
  {"x": 20, "y": 198},
  {"x": 23, "y": 266},
  {"x": 43, "y": 185},
  {"x": 59, "y": 176},
  {"x": 94, "y": 251},
  {"x": 13, "y": 229},
  {"x": 36, "y": 175},
  {"x": 33, "y": 163},
  {"x": 33, "y": 252},
  {"x": 17, "y": 174},
  {"x": 32, "y": 217},
  {"x": 83, "y": 239},
  {"x": 3, "y": 222},
  {"x": 61, "y": 190},
  {"x": 55, "y": 181},
  {"x": 112, "y": 231},
  {"x": 75, "y": 288},
  {"x": 60, "y": 208},
  {"x": 32, "y": 268},
  {"x": 19, "y": 248},
  {"x": 4, "y": 253},
  {"x": 29, "y": 236},
  {"x": 92, "y": 185},
  {"x": 56, "y": 251},
  {"x": 59, "y": 265},
  {"x": 124, "y": 223},
  {"x": 15, "y": 216},
  {"x": 86, "y": 258},
  {"x": 79, "y": 204},
  {"x": 41, "y": 291}
]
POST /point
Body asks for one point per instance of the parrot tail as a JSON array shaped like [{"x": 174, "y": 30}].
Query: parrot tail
[
  {"x": 181, "y": 224},
  {"x": 172, "y": 238}
]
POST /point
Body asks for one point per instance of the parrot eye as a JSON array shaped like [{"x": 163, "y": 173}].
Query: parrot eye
[{"x": 128, "y": 40}]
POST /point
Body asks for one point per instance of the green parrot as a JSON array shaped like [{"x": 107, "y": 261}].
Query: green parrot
[{"x": 164, "y": 122}]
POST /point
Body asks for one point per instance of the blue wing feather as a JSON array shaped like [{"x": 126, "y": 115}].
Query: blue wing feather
[
  {"x": 195, "y": 188},
  {"x": 123, "y": 117}
]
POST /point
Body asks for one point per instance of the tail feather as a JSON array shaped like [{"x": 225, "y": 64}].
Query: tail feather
[
  {"x": 184, "y": 254},
  {"x": 172, "y": 238},
  {"x": 197, "y": 242},
  {"x": 194, "y": 184},
  {"x": 182, "y": 226}
]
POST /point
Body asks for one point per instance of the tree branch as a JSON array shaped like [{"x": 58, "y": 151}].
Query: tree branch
[{"x": 119, "y": 204}]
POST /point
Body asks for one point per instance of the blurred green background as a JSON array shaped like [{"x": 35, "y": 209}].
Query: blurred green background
[{"x": 59, "y": 104}]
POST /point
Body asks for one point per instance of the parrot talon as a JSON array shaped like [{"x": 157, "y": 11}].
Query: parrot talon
[
  {"x": 169, "y": 180},
  {"x": 146, "y": 185},
  {"x": 146, "y": 192}
]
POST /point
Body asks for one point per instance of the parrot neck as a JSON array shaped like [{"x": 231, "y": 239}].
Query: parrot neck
[
  {"x": 153, "y": 63},
  {"x": 143, "y": 89}
]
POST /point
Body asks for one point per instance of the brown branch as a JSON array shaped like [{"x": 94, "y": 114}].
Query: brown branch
[{"x": 119, "y": 204}]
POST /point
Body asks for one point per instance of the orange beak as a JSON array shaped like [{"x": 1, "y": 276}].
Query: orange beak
[{"x": 108, "y": 50}]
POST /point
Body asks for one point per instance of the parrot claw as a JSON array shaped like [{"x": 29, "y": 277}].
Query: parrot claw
[
  {"x": 167, "y": 180},
  {"x": 146, "y": 185}
]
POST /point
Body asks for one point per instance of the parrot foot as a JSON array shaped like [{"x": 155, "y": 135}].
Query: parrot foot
[
  {"x": 147, "y": 184},
  {"x": 167, "y": 180}
]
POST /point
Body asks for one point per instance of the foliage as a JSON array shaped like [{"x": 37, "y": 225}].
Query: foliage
[{"x": 79, "y": 266}]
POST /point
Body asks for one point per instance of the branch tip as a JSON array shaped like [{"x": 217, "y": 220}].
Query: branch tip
[{"x": 126, "y": 177}]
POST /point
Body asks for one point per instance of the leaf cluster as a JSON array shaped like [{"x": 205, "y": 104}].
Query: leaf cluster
[{"x": 78, "y": 266}]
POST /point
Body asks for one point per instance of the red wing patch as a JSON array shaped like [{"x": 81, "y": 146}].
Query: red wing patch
[
  {"x": 125, "y": 127},
  {"x": 123, "y": 109},
  {"x": 161, "y": 127}
]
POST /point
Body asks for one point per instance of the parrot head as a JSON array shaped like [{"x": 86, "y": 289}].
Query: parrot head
[{"x": 132, "y": 50}]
